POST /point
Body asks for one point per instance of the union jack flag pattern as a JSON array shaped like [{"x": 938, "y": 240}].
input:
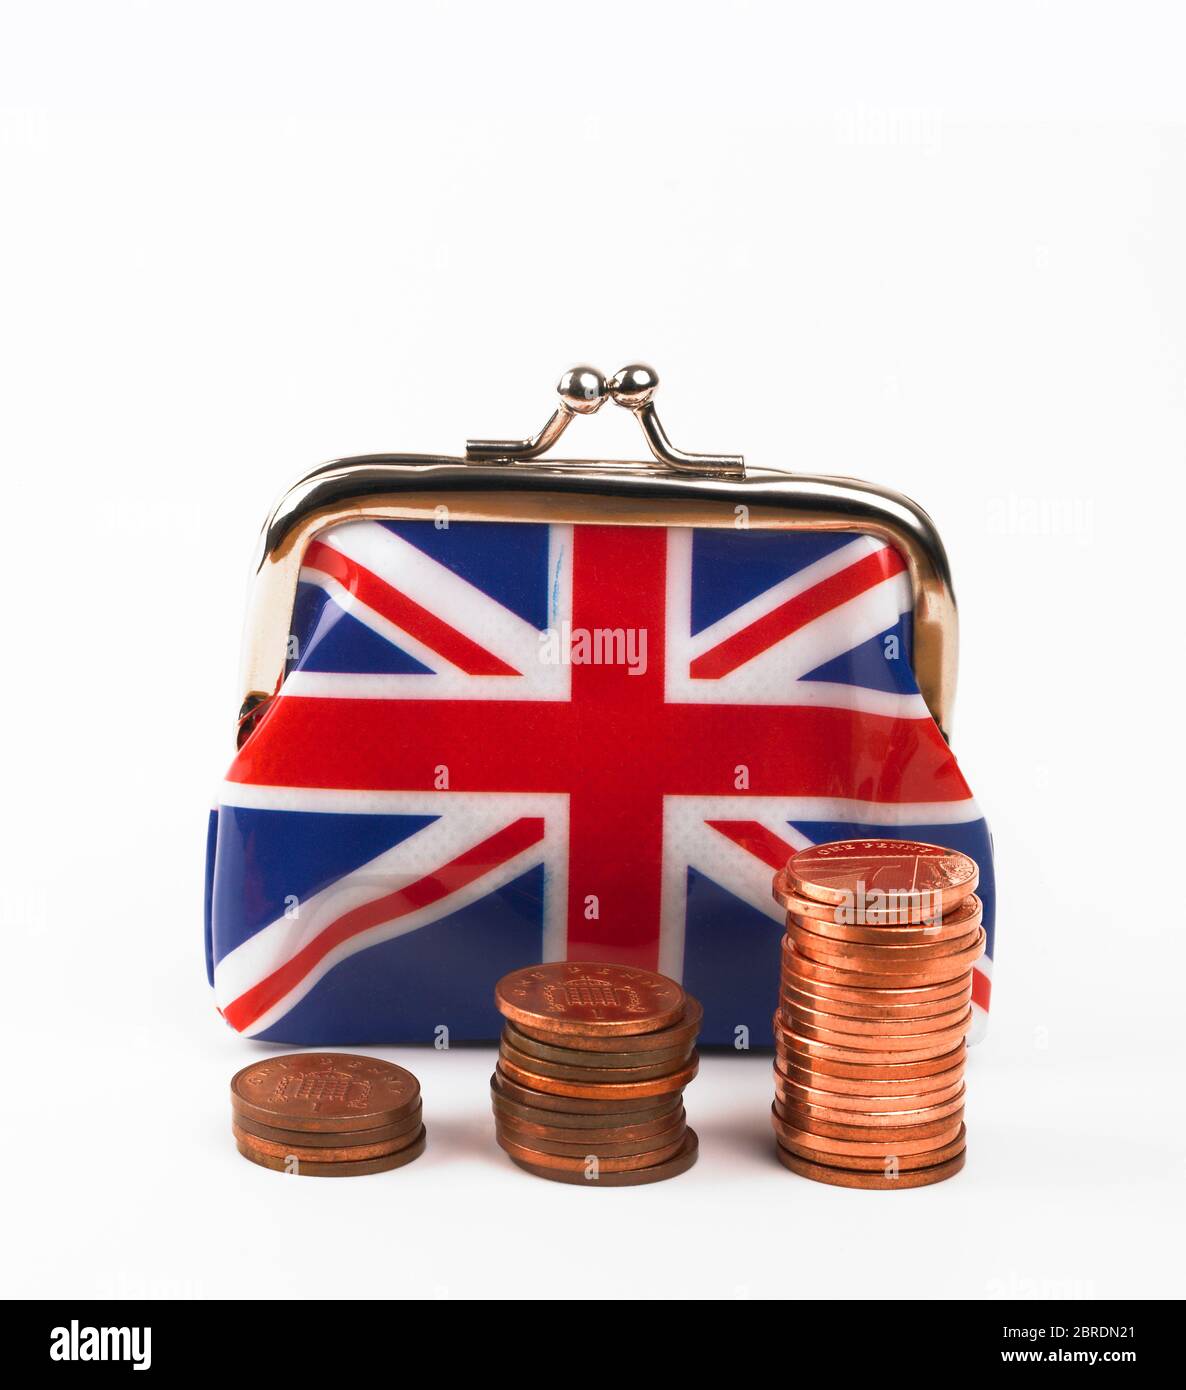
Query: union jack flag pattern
[{"x": 503, "y": 743}]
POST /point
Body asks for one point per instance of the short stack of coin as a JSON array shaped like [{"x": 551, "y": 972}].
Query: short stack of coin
[
  {"x": 874, "y": 1007},
  {"x": 327, "y": 1114},
  {"x": 592, "y": 1065}
]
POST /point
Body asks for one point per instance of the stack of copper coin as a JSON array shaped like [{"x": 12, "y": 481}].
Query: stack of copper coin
[
  {"x": 875, "y": 1004},
  {"x": 327, "y": 1114},
  {"x": 591, "y": 1071}
]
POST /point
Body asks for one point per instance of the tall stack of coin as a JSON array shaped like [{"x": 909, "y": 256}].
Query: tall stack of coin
[
  {"x": 591, "y": 1071},
  {"x": 327, "y": 1114},
  {"x": 875, "y": 1004}
]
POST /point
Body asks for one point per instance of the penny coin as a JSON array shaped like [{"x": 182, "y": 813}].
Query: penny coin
[
  {"x": 947, "y": 929},
  {"x": 637, "y": 1177},
  {"x": 828, "y": 1067},
  {"x": 877, "y": 1163},
  {"x": 304, "y": 1169},
  {"x": 804, "y": 1139},
  {"x": 885, "y": 913},
  {"x": 797, "y": 1093},
  {"x": 843, "y": 1013},
  {"x": 812, "y": 1052},
  {"x": 889, "y": 1137},
  {"x": 329, "y": 1139},
  {"x": 573, "y": 1057},
  {"x": 931, "y": 972},
  {"x": 584, "y": 1090},
  {"x": 855, "y": 1109},
  {"x": 793, "y": 1062},
  {"x": 566, "y": 1134},
  {"x": 590, "y": 1075},
  {"x": 591, "y": 1116},
  {"x": 899, "y": 1041},
  {"x": 848, "y": 1177},
  {"x": 678, "y": 1036},
  {"x": 852, "y": 1056},
  {"x": 800, "y": 1018},
  {"x": 355, "y": 1153},
  {"x": 578, "y": 1162},
  {"x": 881, "y": 959},
  {"x": 336, "y": 1091},
  {"x": 527, "y": 1095},
  {"x": 617, "y": 1148},
  {"x": 860, "y": 955},
  {"x": 865, "y": 1124},
  {"x": 846, "y": 921},
  {"x": 906, "y": 873},
  {"x": 792, "y": 996},
  {"x": 806, "y": 1071},
  {"x": 804, "y": 1086},
  {"x": 868, "y": 994},
  {"x": 589, "y": 999},
  {"x": 916, "y": 1031}
]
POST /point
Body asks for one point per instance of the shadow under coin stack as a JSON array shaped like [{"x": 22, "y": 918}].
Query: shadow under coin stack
[
  {"x": 874, "y": 1008},
  {"x": 591, "y": 1071},
  {"x": 327, "y": 1114}
]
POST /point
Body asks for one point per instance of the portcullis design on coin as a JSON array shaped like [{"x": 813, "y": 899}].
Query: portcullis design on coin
[{"x": 589, "y": 998}]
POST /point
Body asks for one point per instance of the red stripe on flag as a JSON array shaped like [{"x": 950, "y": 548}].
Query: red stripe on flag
[
  {"x": 797, "y": 612},
  {"x": 981, "y": 988},
  {"x": 459, "y": 872},
  {"x": 755, "y": 839},
  {"x": 551, "y": 746},
  {"x": 406, "y": 613},
  {"x": 612, "y": 766}
]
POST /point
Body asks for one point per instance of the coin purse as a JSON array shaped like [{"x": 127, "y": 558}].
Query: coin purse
[{"x": 500, "y": 709}]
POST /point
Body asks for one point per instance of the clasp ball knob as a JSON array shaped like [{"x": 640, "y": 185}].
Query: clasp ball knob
[
  {"x": 582, "y": 389},
  {"x": 634, "y": 386}
]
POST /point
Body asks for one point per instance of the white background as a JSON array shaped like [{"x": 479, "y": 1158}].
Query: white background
[{"x": 937, "y": 246}]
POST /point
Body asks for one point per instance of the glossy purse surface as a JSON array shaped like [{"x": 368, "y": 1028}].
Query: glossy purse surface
[{"x": 502, "y": 713}]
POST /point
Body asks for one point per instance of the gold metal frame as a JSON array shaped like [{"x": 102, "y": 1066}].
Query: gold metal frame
[{"x": 498, "y": 481}]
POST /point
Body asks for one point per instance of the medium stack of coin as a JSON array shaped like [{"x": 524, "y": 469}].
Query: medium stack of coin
[
  {"x": 591, "y": 1070},
  {"x": 327, "y": 1114},
  {"x": 874, "y": 1007}
]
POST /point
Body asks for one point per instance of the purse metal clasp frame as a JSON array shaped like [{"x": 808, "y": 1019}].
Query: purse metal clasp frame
[{"x": 503, "y": 480}]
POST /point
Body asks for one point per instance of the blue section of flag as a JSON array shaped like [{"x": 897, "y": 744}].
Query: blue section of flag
[
  {"x": 329, "y": 639},
  {"x": 508, "y": 561},
  {"x": 731, "y": 567},
  {"x": 267, "y": 858},
  {"x": 878, "y": 664},
  {"x": 441, "y": 975},
  {"x": 731, "y": 963},
  {"x": 969, "y": 837}
]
